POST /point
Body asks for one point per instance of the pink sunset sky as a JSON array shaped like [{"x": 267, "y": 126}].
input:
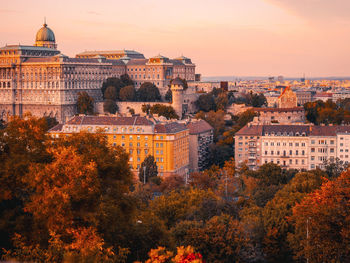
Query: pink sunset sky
[{"x": 223, "y": 37}]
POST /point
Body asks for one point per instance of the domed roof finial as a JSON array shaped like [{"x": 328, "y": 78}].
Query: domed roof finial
[{"x": 45, "y": 25}]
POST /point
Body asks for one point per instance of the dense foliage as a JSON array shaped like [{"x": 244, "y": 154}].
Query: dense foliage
[
  {"x": 85, "y": 103},
  {"x": 73, "y": 199},
  {"x": 319, "y": 112}
]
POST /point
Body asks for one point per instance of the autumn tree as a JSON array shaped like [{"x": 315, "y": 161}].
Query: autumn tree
[
  {"x": 277, "y": 211},
  {"x": 22, "y": 143},
  {"x": 324, "y": 215},
  {"x": 221, "y": 239},
  {"x": 85, "y": 103},
  {"x": 148, "y": 169}
]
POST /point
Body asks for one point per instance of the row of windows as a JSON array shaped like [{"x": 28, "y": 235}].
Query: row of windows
[
  {"x": 284, "y": 153},
  {"x": 284, "y": 162},
  {"x": 297, "y": 144},
  {"x": 322, "y": 142}
]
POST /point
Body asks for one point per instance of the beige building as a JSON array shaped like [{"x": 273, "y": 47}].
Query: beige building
[
  {"x": 291, "y": 146},
  {"x": 41, "y": 80},
  {"x": 280, "y": 115}
]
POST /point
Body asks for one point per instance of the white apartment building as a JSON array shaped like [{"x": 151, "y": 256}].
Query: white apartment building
[
  {"x": 343, "y": 146},
  {"x": 291, "y": 146}
]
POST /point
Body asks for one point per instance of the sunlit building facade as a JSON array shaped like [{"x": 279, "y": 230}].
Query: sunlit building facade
[
  {"x": 41, "y": 80},
  {"x": 168, "y": 142}
]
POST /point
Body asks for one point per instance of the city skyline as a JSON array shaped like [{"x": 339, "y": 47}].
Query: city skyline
[{"x": 240, "y": 38}]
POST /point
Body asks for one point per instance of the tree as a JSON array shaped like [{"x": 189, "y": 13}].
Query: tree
[
  {"x": 111, "y": 93},
  {"x": 112, "y": 82},
  {"x": 206, "y": 102},
  {"x": 324, "y": 215},
  {"x": 85, "y": 104},
  {"x": 221, "y": 101},
  {"x": 148, "y": 169},
  {"x": 169, "y": 96},
  {"x": 126, "y": 80},
  {"x": 163, "y": 110},
  {"x": 50, "y": 122},
  {"x": 277, "y": 211},
  {"x": 245, "y": 117},
  {"x": 148, "y": 92},
  {"x": 221, "y": 239},
  {"x": 215, "y": 119},
  {"x": 127, "y": 93},
  {"x": 335, "y": 167},
  {"x": 110, "y": 106}
]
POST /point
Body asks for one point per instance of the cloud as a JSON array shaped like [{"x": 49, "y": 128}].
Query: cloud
[
  {"x": 94, "y": 13},
  {"x": 323, "y": 11}
]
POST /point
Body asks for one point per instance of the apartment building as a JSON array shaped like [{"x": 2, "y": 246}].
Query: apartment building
[
  {"x": 168, "y": 142},
  {"x": 291, "y": 146}
]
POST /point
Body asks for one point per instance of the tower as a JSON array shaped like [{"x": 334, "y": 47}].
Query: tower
[{"x": 178, "y": 97}]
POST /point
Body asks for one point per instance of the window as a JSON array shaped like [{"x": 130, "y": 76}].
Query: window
[
  {"x": 312, "y": 141},
  {"x": 146, "y": 151},
  {"x": 157, "y": 144},
  {"x": 123, "y": 137},
  {"x": 332, "y": 150},
  {"x": 138, "y": 144},
  {"x": 312, "y": 150},
  {"x": 130, "y": 137},
  {"x": 146, "y": 144},
  {"x": 130, "y": 151},
  {"x": 296, "y": 161},
  {"x": 161, "y": 144},
  {"x": 312, "y": 158},
  {"x": 130, "y": 144},
  {"x": 296, "y": 152},
  {"x": 290, "y": 161}
]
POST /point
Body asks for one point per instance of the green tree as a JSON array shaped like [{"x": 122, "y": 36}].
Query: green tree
[
  {"x": 148, "y": 169},
  {"x": 127, "y": 93},
  {"x": 245, "y": 117},
  {"x": 85, "y": 104},
  {"x": 148, "y": 92},
  {"x": 206, "y": 102},
  {"x": 111, "y": 93},
  {"x": 169, "y": 96},
  {"x": 221, "y": 101},
  {"x": 110, "y": 106},
  {"x": 114, "y": 82},
  {"x": 126, "y": 80},
  {"x": 163, "y": 110}
]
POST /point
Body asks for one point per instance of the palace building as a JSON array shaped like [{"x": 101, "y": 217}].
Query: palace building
[
  {"x": 168, "y": 142},
  {"x": 41, "y": 80}
]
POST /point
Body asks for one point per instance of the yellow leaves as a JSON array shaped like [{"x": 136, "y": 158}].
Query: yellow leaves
[{"x": 184, "y": 255}]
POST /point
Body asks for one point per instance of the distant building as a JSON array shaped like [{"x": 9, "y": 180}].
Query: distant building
[
  {"x": 303, "y": 97},
  {"x": 280, "y": 115},
  {"x": 168, "y": 142},
  {"x": 287, "y": 99},
  {"x": 41, "y": 80},
  {"x": 201, "y": 136}
]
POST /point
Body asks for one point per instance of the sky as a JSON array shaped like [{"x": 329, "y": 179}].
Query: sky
[{"x": 222, "y": 37}]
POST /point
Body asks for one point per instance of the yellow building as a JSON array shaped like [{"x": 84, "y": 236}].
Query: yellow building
[{"x": 168, "y": 142}]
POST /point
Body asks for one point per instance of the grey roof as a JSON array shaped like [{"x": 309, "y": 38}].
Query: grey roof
[
  {"x": 26, "y": 47},
  {"x": 173, "y": 127},
  {"x": 199, "y": 126},
  {"x": 45, "y": 34},
  {"x": 109, "y": 120}
]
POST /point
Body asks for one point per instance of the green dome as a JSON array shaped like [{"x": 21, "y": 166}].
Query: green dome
[{"x": 45, "y": 34}]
